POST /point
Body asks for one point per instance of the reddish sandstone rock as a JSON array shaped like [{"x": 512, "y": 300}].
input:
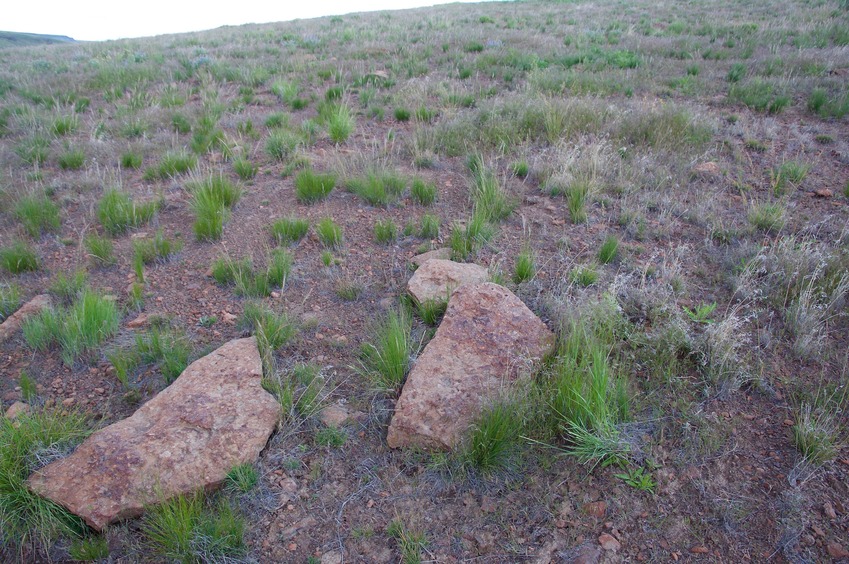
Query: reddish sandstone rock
[
  {"x": 488, "y": 339},
  {"x": 14, "y": 321},
  {"x": 435, "y": 279},
  {"x": 213, "y": 417},
  {"x": 442, "y": 253}
]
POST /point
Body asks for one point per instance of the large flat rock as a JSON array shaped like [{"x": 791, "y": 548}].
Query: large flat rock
[
  {"x": 436, "y": 278},
  {"x": 12, "y": 323},
  {"x": 215, "y": 416},
  {"x": 487, "y": 340}
]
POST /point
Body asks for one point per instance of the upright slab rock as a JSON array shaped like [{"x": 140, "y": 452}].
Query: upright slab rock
[
  {"x": 486, "y": 341},
  {"x": 213, "y": 417},
  {"x": 435, "y": 279},
  {"x": 12, "y": 323}
]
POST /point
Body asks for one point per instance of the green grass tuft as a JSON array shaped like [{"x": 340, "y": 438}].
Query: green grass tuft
[
  {"x": 385, "y": 360},
  {"x": 311, "y": 187},
  {"x": 118, "y": 212},
  {"x": 329, "y": 233},
  {"x": 212, "y": 199},
  {"x": 18, "y": 258},
  {"x": 289, "y": 230},
  {"x": 38, "y": 214},
  {"x": 78, "y": 329},
  {"x": 24, "y": 444},
  {"x": 385, "y": 231},
  {"x": 100, "y": 249},
  {"x": 423, "y": 193}
]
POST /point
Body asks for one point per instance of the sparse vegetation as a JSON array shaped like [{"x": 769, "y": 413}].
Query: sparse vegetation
[{"x": 663, "y": 184}]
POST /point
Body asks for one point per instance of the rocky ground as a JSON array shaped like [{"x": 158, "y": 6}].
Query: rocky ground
[{"x": 712, "y": 196}]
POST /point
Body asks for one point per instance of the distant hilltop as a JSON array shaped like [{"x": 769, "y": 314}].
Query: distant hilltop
[{"x": 16, "y": 39}]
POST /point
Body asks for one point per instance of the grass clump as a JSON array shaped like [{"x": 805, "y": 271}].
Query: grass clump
[
  {"x": 242, "y": 478},
  {"x": 176, "y": 162},
  {"x": 10, "y": 299},
  {"x": 131, "y": 159},
  {"x": 329, "y": 233},
  {"x": 189, "y": 528},
  {"x": 759, "y": 95},
  {"x": 26, "y": 444},
  {"x": 817, "y": 432},
  {"x": 490, "y": 199},
  {"x": 271, "y": 329},
  {"x": 432, "y": 310},
  {"x": 609, "y": 250},
  {"x": 525, "y": 268},
  {"x": 167, "y": 347},
  {"x": 788, "y": 174},
  {"x": 78, "y": 329},
  {"x": 494, "y": 438},
  {"x": 19, "y": 257},
  {"x": 378, "y": 188},
  {"x": 423, "y": 193},
  {"x": 89, "y": 549},
  {"x": 311, "y": 187},
  {"x": 584, "y": 275},
  {"x": 100, "y": 249},
  {"x": 160, "y": 248},
  {"x": 429, "y": 227},
  {"x": 410, "y": 543},
  {"x": 281, "y": 144},
  {"x": 349, "y": 290},
  {"x": 767, "y": 216},
  {"x": 38, "y": 214},
  {"x": 330, "y": 437},
  {"x": 72, "y": 159},
  {"x": 340, "y": 123},
  {"x": 385, "y": 360},
  {"x": 212, "y": 200},
  {"x": 65, "y": 125},
  {"x": 244, "y": 168},
  {"x": 468, "y": 239},
  {"x": 118, "y": 212},
  {"x": 249, "y": 282},
  {"x": 289, "y": 229},
  {"x": 385, "y": 231}
]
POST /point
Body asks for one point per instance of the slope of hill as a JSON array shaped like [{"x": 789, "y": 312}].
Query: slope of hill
[
  {"x": 16, "y": 39},
  {"x": 665, "y": 184}
]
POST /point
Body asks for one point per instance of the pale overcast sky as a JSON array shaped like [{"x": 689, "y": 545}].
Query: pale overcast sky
[{"x": 95, "y": 20}]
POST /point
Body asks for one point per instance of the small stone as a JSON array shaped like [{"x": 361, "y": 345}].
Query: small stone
[
  {"x": 12, "y": 323},
  {"x": 609, "y": 542},
  {"x": 139, "y": 321},
  {"x": 828, "y": 509},
  {"x": 788, "y": 422},
  {"x": 68, "y": 402},
  {"x": 709, "y": 168},
  {"x": 595, "y": 509},
  {"x": 16, "y": 409},
  {"x": 836, "y": 550},
  {"x": 823, "y": 193},
  {"x": 331, "y": 557},
  {"x": 585, "y": 554},
  {"x": 334, "y": 416},
  {"x": 699, "y": 549}
]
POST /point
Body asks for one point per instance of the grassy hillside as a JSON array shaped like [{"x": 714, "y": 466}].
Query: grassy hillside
[
  {"x": 16, "y": 39},
  {"x": 665, "y": 184}
]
